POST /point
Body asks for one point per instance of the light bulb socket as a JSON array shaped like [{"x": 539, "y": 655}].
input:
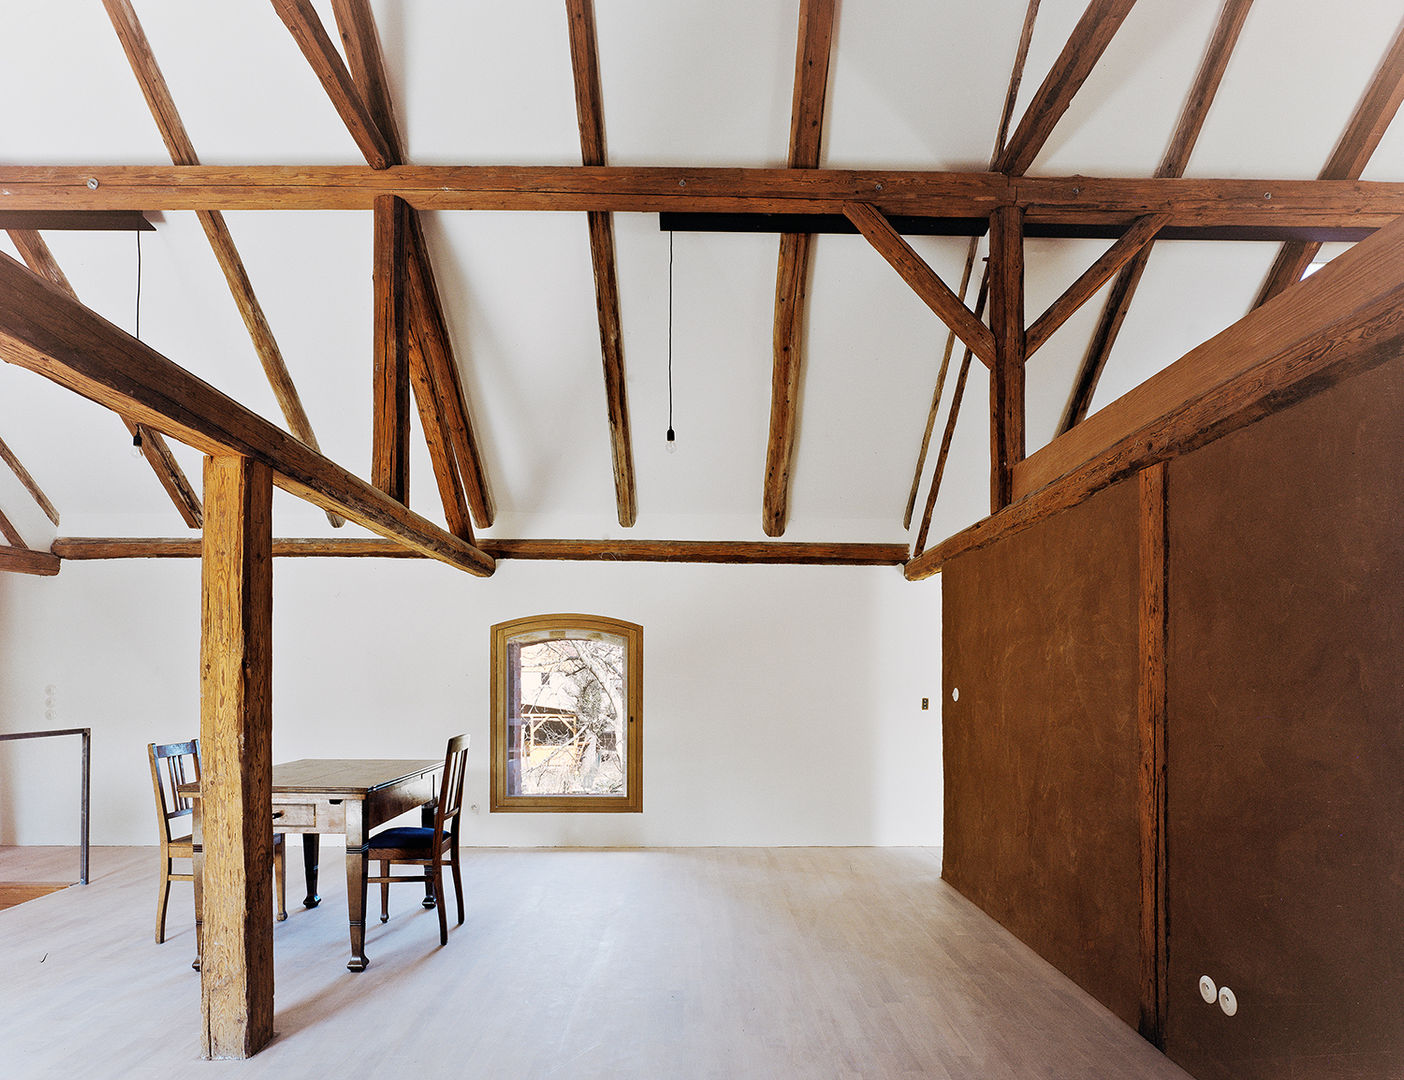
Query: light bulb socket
[{"x": 671, "y": 436}]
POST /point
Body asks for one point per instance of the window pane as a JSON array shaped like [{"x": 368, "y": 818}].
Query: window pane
[{"x": 567, "y": 715}]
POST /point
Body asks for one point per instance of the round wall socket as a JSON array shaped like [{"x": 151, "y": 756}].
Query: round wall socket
[
  {"x": 1227, "y": 1001},
  {"x": 1207, "y": 990}
]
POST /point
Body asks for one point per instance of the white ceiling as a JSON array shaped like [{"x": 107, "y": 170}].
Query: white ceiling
[{"x": 911, "y": 85}]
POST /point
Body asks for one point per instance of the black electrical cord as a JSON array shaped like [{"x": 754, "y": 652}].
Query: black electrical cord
[{"x": 671, "y": 436}]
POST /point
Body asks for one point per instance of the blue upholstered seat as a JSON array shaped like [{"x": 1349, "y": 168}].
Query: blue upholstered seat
[{"x": 404, "y": 837}]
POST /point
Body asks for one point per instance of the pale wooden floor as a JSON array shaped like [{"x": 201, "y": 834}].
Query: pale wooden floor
[{"x": 725, "y": 963}]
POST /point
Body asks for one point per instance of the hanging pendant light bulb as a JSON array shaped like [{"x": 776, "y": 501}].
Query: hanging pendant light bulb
[{"x": 672, "y": 443}]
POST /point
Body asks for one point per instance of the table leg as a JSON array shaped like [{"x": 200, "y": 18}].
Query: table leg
[
  {"x": 197, "y": 871},
  {"x": 311, "y": 851},
  {"x": 427, "y": 813},
  {"x": 356, "y": 848}
]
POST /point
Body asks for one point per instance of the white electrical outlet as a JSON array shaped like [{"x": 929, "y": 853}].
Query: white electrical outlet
[
  {"x": 1207, "y": 990},
  {"x": 1227, "y": 1001}
]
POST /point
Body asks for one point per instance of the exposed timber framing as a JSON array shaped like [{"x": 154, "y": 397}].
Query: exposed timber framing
[
  {"x": 1357, "y": 144},
  {"x": 1007, "y": 371},
  {"x": 366, "y": 81},
  {"x": 589, "y": 108},
  {"x": 390, "y": 426},
  {"x": 792, "y": 273},
  {"x": 22, "y": 474},
  {"x": 40, "y": 259},
  {"x": 306, "y": 28},
  {"x": 1089, "y": 39},
  {"x": 952, "y": 416},
  {"x": 7, "y": 527},
  {"x": 1345, "y": 319},
  {"x": 236, "y": 757},
  {"x": 1016, "y": 77},
  {"x": 1173, "y": 164},
  {"x": 45, "y": 330},
  {"x": 681, "y": 551},
  {"x": 934, "y": 292},
  {"x": 182, "y": 152},
  {"x": 1133, "y": 242},
  {"x": 1081, "y": 201},
  {"x": 22, "y": 560}
]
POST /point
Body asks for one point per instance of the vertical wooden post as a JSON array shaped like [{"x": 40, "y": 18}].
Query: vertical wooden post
[
  {"x": 1007, "y": 373},
  {"x": 236, "y": 748},
  {"x": 1150, "y": 723},
  {"x": 390, "y": 402}
]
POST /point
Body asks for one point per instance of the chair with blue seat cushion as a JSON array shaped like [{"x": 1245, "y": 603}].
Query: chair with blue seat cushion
[{"x": 430, "y": 848}]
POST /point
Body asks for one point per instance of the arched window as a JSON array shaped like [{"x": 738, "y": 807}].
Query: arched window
[{"x": 567, "y": 714}]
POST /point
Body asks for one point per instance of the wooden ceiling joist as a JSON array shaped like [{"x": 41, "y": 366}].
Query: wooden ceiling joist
[
  {"x": 589, "y": 108},
  {"x": 182, "y": 152},
  {"x": 45, "y": 330},
  {"x": 1080, "y": 201},
  {"x": 40, "y": 259},
  {"x": 925, "y": 282},
  {"x": 1357, "y": 144},
  {"x": 679, "y": 551},
  {"x": 1343, "y": 320},
  {"x": 1089, "y": 39},
  {"x": 366, "y": 82},
  {"x": 11, "y": 534},
  {"x": 1173, "y": 164},
  {"x": 814, "y": 44},
  {"x": 76, "y": 221}
]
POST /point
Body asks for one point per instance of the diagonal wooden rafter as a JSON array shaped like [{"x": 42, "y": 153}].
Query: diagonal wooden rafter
[
  {"x": 815, "y": 42},
  {"x": 1362, "y": 135},
  {"x": 40, "y": 259},
  {"x": 30, "y": 485},
  {"x": 589, "y": 107},
  {"x": 1135, "y": 240},
  {"x": 924, "y": 281},
  {"x": 46, "y": 331},
  {"x": 362, "y": 78},
  {"x": 1089, "y": 39},
  {"x": 1016, "y": 77},
  {"x": 182, "y": 152},
  {"x": 1173, "y": 164}
]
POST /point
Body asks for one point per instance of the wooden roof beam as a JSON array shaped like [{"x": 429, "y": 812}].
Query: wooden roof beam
[
  {"x": 18, "y": 560},
  {"x": 182, "y": 152},
  {"x": 22, "y": 475},
  {"x": 1357, "y": 144},
  {"x": 428, "y": 327},
  {"x": 390, "y": 428},
  {"x": 40, "y": 259},
  {"x": 43, "y": 329},
  {"x": 1089, "y": 39},
  {"x": 589, "y": 108},
  {"x": 936, "y": 294},
  {"x": 681, "y": 551},
  {"x": 1177, "y": 154},
  {"x": 812, "y": 51},
  {"x": 1343, "y": 320}
]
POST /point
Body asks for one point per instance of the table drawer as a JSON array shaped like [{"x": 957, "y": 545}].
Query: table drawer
[{"x": 294, "y": 814}]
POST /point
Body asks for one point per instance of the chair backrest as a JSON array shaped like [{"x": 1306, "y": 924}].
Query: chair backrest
[
  {"x": 173, "y": 764},
  {"x": 451, "y": 790}
]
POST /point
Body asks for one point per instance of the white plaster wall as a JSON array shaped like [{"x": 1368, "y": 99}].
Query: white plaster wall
[{"x": 781, "y": 704}]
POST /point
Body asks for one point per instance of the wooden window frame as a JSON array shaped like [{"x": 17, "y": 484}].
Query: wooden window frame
[{"x": 631, "y": 802}]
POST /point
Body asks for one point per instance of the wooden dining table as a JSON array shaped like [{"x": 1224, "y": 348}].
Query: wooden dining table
[{"x": 349, "y": 796}]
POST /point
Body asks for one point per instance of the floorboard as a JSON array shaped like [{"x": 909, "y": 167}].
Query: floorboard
[{"x": 663, "y": 963}]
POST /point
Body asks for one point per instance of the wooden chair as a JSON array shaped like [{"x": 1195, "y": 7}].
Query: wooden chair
[
  {"x": 430, "y": 848},
  {"x": 174, "y": 764}
]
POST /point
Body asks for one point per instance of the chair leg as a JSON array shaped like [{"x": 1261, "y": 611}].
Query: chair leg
[
  {"x": 162, "y": 898},
  {"x": 280, "y": 876},
  {"x": 439, "y": 903},
  {"x": 385, "y": 891},
  {"x": 458, "y": 887}
]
